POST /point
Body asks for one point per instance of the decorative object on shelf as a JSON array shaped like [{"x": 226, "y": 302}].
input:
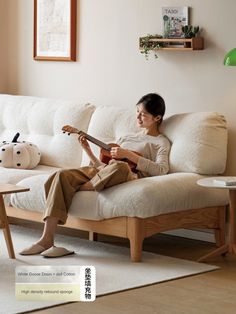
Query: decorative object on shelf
[
  {"x": 190, "y": 31},
  {"x": 174, "y": 18},
  {"x": 147, "y": 45},
  {"x": 230, "y": 58},
  {"x": 55, "y": 30},
  {"x": 178, "y": 34}
]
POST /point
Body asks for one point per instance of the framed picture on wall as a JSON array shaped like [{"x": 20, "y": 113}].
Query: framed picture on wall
[
  {"x": 173, "y": 19},
  {"x": 55, "y": 30}
]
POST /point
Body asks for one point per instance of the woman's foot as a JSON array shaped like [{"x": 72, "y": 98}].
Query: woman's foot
[
  {"x": 47, "y": 239},
  {"x": 34, "y": 249},
  {"x": 38, "y": 247}
]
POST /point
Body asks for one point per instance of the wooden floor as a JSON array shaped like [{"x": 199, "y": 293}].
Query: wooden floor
[{"x": 212, "y": 292}]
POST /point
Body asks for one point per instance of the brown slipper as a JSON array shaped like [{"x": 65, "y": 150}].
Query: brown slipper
[{"x": 55, "y": 251}]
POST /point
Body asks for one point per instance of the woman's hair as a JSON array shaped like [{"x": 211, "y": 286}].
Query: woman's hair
[{"x": 153, "y": 104}]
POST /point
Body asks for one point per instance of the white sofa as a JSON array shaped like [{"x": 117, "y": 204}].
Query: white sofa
[{"x": 135, "y": 209}]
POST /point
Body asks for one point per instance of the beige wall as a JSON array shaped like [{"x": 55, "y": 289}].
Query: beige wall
[
  {"x": 110, "y": 70},
  {"x": 3, "y": 46}
]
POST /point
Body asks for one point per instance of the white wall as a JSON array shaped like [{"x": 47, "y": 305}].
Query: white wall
[
  {"x": 110, "y": 70},
  {"x": 3, "y": 46}
]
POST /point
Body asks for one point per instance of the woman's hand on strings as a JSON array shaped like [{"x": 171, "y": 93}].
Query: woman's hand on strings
[
  {"x": 121, "y": 153},
  {"x": 118, "y": 153}
]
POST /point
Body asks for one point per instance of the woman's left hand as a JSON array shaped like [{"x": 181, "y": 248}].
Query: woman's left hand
[
  {"x": 119, "y": 153},
  {"x": 84, "y": 143}
]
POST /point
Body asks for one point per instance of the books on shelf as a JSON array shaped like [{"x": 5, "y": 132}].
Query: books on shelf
[
  {"x": 173, "y": 20},
  {"x": 230, "y": 181}
]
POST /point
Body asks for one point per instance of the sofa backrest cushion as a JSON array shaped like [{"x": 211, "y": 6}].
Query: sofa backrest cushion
[
  {"x": 108, "y": 123},
  {"x": 39, "y": 121},
  {"x": 199, "y": 140}
]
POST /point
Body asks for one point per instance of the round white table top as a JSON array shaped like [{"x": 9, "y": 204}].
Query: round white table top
[{"x": 217, "y": 182}]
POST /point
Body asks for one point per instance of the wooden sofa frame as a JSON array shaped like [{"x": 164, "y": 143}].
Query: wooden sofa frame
[{"x": 137, "y": 229}]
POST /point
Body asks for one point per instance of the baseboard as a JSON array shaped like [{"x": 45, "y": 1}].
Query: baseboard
[{"x": 193, "y": 234}]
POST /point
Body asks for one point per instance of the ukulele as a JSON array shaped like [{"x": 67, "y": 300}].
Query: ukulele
[{"x": 105, "y": 155}]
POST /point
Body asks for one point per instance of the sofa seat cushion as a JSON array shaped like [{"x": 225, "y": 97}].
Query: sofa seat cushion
[
  {"x": 13, "y": 176},
  {"x": 142, "y": 198}
]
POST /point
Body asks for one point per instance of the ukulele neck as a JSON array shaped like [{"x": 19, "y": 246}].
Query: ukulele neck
[{"x": 96, "y": 141}]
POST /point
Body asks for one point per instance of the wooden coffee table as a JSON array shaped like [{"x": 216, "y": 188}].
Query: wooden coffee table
[
  {"x": 230, "y": 247},
  {"x": 8, "y": 189}
]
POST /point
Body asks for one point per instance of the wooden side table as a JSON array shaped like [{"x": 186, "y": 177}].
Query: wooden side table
[
  {"x": 8, "y": 189},
  {"x": 230, "y": 247}
]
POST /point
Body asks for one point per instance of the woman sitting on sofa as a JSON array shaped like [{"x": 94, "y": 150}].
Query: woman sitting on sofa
[{"x": 148, "y": 149}]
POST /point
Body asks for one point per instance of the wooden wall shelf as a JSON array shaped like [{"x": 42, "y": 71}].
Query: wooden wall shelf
[{"x": 176, "y": 44}]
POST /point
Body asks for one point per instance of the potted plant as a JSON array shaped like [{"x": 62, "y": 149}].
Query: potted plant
[
  {"x": 148, "y": 44},
  {"x": 190, "y": 31}
]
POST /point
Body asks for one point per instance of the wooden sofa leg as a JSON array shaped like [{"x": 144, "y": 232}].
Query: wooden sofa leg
[
  {"x": 220, "y": 232},
  {"x": 93, "y": 236},
  {"x": 135, "y": 234}
]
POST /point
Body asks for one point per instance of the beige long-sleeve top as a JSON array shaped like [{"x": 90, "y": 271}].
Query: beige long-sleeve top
[{"x": 153, "y": 149}]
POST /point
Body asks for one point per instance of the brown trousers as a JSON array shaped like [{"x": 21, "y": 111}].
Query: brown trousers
[{"x": 62, "y": 185}]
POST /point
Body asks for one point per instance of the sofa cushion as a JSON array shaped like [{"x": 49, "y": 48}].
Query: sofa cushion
[
  {"x": 85, "y": 202},
  {"x": 40, "y": 121},
  {"x": 199, "y": 142},
  {"x": 13, "y": 176},
  {"x": 199, "y": 139},
  {"x": 108, "y": 123},
  {"x": 143, "y": 198}
]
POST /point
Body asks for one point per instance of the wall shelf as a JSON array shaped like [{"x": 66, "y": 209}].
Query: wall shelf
[{"x": 175, "y": 44}]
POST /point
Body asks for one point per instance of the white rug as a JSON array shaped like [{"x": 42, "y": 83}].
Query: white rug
[{"x": 114, "y": 271}]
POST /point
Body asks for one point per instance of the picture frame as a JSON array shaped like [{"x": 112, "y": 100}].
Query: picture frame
[
  {"x": 173, "y": 19},
  {"x": 55, "y": 30}
]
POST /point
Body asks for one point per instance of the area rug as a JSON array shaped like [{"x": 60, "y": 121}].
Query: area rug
[{"x": 114, "y": 271}]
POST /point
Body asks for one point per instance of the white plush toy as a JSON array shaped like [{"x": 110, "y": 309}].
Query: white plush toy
[{"x": 21, "y": 155}]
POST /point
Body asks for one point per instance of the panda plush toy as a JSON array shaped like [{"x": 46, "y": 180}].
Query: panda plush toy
[{"x": 20, "y": 155}]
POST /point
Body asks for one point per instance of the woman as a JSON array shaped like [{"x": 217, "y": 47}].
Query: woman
[{"x": 151, "y": 159}]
